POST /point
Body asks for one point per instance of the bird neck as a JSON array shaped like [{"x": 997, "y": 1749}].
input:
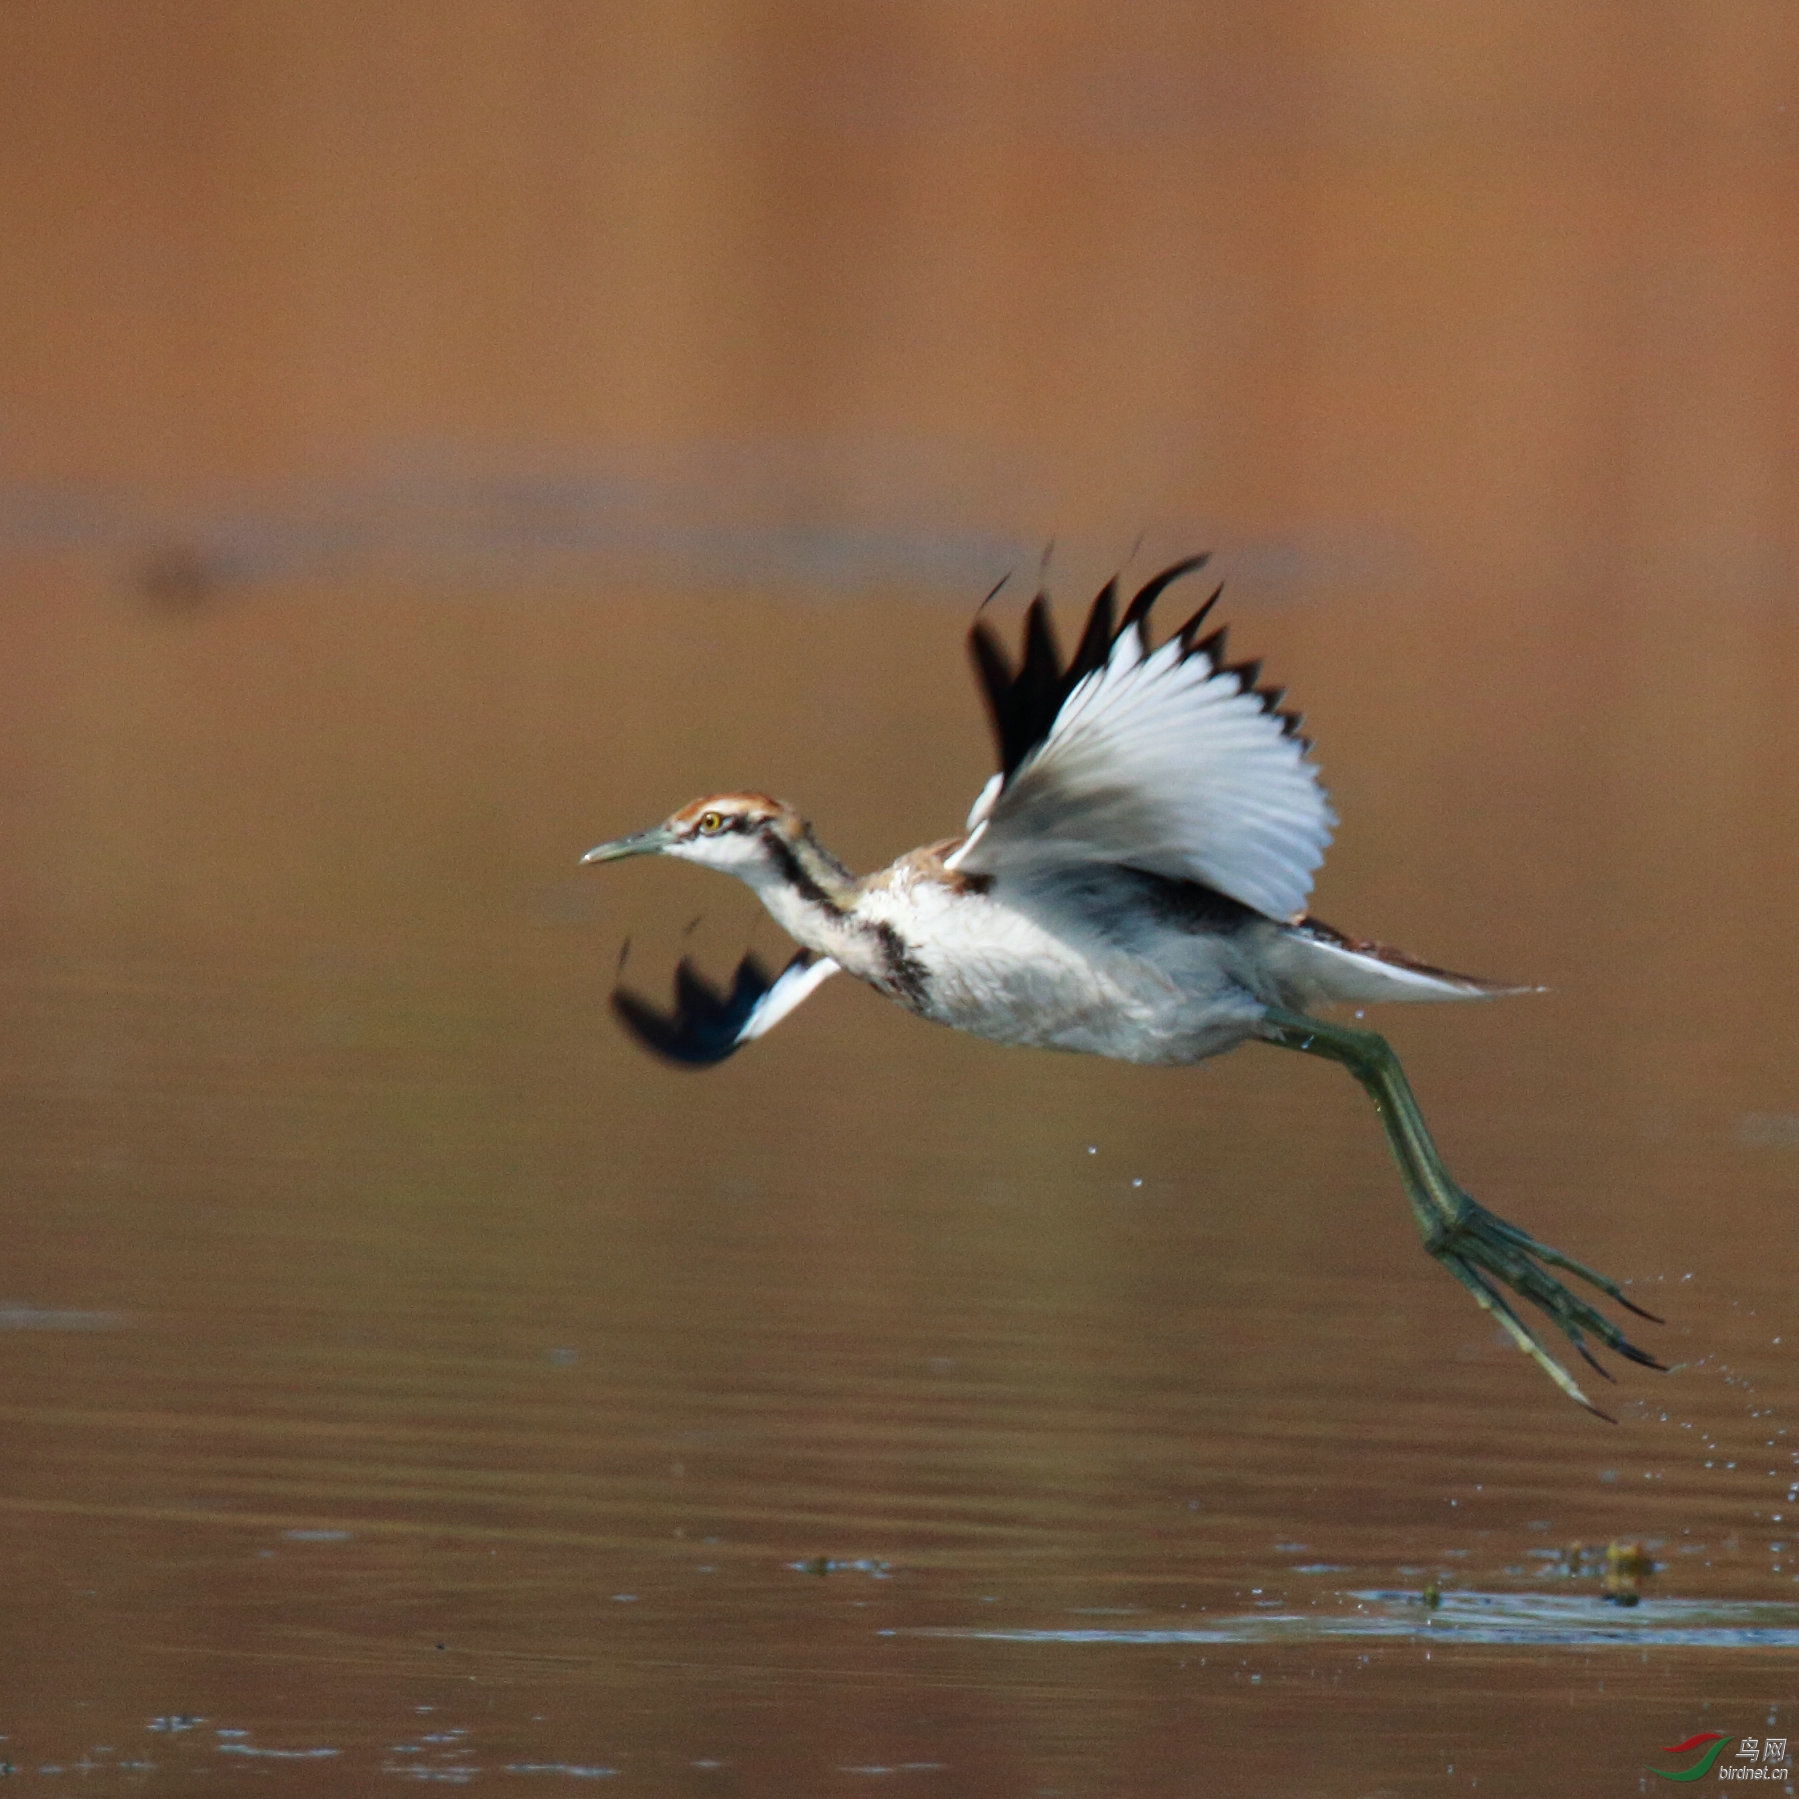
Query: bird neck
[{"x": 809, "y": 893}]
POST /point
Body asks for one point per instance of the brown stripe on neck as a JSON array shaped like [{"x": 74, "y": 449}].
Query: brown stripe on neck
[{"x": 798, "y": 876}]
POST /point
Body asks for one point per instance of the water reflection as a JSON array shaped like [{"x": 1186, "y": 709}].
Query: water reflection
[
  {"x": 436, "y": 443},
  {"x": 1468, "y": 1617}
]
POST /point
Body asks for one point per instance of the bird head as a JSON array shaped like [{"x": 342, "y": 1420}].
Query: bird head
[{"x": 741, "y": 834}]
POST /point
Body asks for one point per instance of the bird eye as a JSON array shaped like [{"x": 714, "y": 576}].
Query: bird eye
[{"x": 711, "y": 823}]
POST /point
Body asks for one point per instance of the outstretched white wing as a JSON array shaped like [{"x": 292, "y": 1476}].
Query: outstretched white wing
[
  {"x": 1166, "y": 760},
  {"x": 797, "y": 982}
]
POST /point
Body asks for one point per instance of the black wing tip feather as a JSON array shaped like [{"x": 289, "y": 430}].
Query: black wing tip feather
[
  {"x": 705, "y": 1023},
  {"x": 1023, "y": 702},
  {"x": 993, "y": 669},
  {"x": 1153, "y": 589}
]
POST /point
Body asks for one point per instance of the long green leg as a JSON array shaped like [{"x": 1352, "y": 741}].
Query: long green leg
[{"x": 1476, "y": 1246}]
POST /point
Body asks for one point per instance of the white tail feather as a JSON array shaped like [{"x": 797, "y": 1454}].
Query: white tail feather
[{"x": 1320, "y": 968}]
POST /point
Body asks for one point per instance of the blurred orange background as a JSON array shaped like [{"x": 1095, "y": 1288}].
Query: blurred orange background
[{"x": 1489, "y": 284}]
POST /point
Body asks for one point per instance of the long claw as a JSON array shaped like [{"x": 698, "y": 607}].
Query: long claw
[
  {"x": 1488, "y": 1248},
  {"x": 1556, "y": 1259},
  {"x": 1514, "y": 1327}
]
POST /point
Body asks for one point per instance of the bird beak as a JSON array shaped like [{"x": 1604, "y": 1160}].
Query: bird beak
[{"x": 640, "y": 843}]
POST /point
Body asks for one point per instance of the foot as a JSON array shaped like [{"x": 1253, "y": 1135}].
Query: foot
[{"x": 1480, "y": 1249}]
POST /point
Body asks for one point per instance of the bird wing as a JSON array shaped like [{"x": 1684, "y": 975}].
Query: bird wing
[
  {"x": 1168, "y": 759},
  {"x": 707, "y": 1024}
]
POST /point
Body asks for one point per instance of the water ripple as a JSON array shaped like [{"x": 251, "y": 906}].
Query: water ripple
[{"x": 1518, "y": 1618}]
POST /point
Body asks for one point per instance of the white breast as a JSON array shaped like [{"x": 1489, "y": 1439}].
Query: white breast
[{"x": 996, "y": 966}]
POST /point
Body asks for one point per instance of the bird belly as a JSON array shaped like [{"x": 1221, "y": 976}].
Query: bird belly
[{"x": 998, "y": 973}]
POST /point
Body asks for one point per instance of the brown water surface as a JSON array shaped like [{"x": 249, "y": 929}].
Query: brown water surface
[{"x": 434, "y": 441}]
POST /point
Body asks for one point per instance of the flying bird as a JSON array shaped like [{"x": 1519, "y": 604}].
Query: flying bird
[{"x": 1131, "y": 883}]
